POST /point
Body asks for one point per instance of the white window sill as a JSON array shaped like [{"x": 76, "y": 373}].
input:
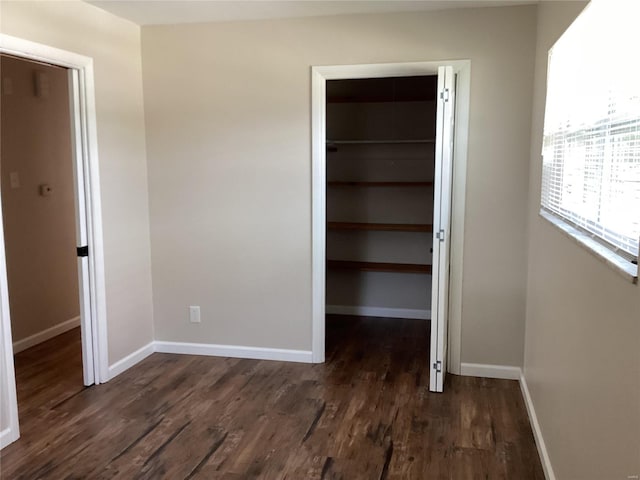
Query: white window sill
[{"x": 627, "y": 269}]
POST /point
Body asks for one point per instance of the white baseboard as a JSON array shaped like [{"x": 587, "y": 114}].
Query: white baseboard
[
  {"x": 490, "y": 371},
  {"x": 537, "y": 432},
  {"x": 256, "y": 353},
  {"x": 8, "y": 436},
  {"x": 130, "y": 360},
  {"x": 43, "y": 336},
  {"x": 378, "y": 312}
]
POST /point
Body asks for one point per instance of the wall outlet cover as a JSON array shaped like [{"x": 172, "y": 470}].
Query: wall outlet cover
[{"x": 194, "y": 314}]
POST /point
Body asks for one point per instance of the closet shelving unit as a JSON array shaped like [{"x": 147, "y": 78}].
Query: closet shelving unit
[
  {"x": 380, "y": 227},
  {"x": 364, "y": 139}
]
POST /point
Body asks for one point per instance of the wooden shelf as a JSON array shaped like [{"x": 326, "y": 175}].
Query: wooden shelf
[
  {"x": 377, "y": 99},
  {"x": 379, "y": 184},
  {"x": 386, "y": 227},
  {"x": 380, "y": 267},
  {"x": 379, "y": 142}
]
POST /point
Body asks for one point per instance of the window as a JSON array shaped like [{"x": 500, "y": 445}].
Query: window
[{"x": 591, "y": 147}]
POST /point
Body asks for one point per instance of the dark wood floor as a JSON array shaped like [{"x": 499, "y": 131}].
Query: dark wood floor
[{"x": 365, "y": 414}]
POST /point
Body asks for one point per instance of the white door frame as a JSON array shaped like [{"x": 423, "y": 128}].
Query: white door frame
[
  {"x": 83, "y": 123},
  {"x": 319, "y": 77}
]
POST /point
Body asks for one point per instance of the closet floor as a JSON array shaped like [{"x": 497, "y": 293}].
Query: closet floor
[{"x": 364, "y": 414}]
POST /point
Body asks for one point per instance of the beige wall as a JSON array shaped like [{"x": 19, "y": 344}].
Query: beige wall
[
  {"x": 114, "y": 44},
  {"x": 582, "y": 361},
  {"x": 40, "y": 236},
  {"x": 228, "y": 137}
]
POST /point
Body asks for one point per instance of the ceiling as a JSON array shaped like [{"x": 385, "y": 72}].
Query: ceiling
[{"x": 154, "y": 12}]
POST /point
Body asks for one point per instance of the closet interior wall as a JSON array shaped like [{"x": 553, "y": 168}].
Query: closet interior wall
[{"x": 380, "y": 169}]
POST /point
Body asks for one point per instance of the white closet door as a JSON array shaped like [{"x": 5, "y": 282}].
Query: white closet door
[
  {"x": 441, "y": 227},
  {"x": 88, "y": 366}
]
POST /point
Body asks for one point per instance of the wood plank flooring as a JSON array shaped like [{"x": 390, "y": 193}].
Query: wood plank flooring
[{"x": 364, "y": 414}]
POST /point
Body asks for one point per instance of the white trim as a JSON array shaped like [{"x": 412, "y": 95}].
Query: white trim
[
  {"x": 94, "y": 232},
  {"x": 319, "y": 77},
  {"x": 537, "y": 432},
  {"x": 88, "y": 137},
  {"x": 362, "y": 311},
  {"x": 234, "y": 351},
  {"x": 96, "y": 342},
  {"x": 490, "y": 371},
  {"x": 130, "y": 360},
  {"x": 318, "y": 213},
  {"x": 8, "y": 436},
  {"x": 8, "y": 373},
  {"x": 462, "y": 70},
  {"x": 42, "y": 53},
  {"x": 44, "y": 335}
]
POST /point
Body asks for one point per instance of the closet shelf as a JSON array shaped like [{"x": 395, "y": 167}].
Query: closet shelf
[
  {"x": 379, "y": 267},
  {"x": 387, "y": 227},
  {"x": 377, "y": 99},
  {"x": 377, "y": 142},
  {"x": 379, "y": 184}
]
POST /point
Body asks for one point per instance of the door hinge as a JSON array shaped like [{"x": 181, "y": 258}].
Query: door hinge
[
  {"x": 440, "y": 235},
  {"x": 444, "y": 95},
  {"x": 83, "y": 251},
  {"x": 437, "y": 366}
]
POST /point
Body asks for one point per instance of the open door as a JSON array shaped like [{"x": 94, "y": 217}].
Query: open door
[
  {"x": 79, "y": 146},
  {"x": 443, "y": 174}
]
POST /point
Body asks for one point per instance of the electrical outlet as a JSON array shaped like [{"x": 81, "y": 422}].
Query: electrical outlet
[{"x": 194, "y": 314}]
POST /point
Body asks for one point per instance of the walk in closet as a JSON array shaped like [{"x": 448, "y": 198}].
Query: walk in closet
[{"x": 380, "y": 189}]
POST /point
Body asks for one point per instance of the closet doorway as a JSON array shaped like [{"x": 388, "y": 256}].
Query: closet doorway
[
  {"x": 76, "y": 85},
  {"x": 383, "y": 165}
]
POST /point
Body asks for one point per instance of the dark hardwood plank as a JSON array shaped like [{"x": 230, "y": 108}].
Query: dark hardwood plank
[{"x": 364, "y": 414}]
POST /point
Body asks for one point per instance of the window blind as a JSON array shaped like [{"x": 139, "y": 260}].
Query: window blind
[{"x": 591, "y": 146}]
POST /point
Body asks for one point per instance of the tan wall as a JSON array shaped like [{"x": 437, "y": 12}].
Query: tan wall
[
  {"x": 40, "y": 236},
  {"x": 114, "y": 44},
  {"x": 229, "y": 135},
  {"x": 582, "y": 361}
]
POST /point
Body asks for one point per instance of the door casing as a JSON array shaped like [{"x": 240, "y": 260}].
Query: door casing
[
  {"x": 87, "y": 191},
  {"x": 319, "y": 77}
]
